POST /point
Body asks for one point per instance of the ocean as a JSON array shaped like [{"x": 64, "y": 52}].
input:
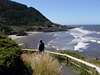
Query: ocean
[{"x": 85, "y": 39}]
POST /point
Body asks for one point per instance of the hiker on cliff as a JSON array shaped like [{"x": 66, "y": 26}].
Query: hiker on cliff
[{"x": 41, "y": 46}]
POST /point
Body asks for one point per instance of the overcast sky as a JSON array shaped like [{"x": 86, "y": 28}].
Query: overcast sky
[{"x": 68, "y": 11}]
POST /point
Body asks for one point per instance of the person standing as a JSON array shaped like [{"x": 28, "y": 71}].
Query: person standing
[{"x": 41, "y": 46}]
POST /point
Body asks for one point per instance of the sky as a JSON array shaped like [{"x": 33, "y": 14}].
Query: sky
[{"x": 67, "y": 12}]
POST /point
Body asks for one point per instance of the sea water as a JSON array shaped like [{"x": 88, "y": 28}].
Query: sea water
[{"x": 82, "y": 38}]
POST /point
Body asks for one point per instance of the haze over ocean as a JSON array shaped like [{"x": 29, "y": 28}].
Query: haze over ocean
[{"x": 68, "y": 11}]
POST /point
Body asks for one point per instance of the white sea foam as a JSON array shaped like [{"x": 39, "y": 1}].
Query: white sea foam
[
  {"x": 80, "y": 32},
  {"x": 98, "y": 32},
  {"x": 81, "y": 38},
  {"x": 32, "y": 33},
  {"x": 98, "y": 42},
  {"x": 81, "y": 45},
  {"x": 93, "y": 41}
]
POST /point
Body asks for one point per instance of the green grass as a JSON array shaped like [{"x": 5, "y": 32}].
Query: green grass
[
  {"x": 77, "y": 67},
  {"x": 76, "y": 54},
  {"x": 94, "y": 61}
]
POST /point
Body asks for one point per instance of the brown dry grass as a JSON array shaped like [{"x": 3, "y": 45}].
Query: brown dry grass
[{"x": 42, "y": 64}]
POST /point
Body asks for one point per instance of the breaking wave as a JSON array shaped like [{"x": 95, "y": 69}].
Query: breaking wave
[{"x": 84, "y": 37}]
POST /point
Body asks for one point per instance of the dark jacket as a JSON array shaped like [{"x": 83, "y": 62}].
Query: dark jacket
[{"x": 41, "y": 47}]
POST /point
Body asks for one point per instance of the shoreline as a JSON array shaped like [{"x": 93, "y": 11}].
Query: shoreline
[
  {"x": 33, "y": 38},
  {"x": 14, "y": 37}
]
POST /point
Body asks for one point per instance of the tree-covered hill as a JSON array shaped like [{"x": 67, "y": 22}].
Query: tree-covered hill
[
  {"x": 13, "y": 14},
  {"x": 17, "y": 17}
]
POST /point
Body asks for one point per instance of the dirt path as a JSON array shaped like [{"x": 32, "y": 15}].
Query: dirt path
[{"x": 67, "y": 71}]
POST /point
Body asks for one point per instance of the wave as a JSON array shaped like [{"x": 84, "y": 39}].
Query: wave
[
  {"x": 74, "y": 39},
  {"x": 82, "y": 38},
  {"x": 61, "y": 41}
]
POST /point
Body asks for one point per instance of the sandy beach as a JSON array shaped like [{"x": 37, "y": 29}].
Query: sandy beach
[{"x": 14, "y": 37}]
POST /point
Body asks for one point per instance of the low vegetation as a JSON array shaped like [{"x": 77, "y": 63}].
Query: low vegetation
[
  {"x": 94, "y": 61},
  {"x": 42, "y": 64},
  {"x": 9, "y": 50},
  {"x": 77, "y": 67},
  {"x": 76, "y": 54},
  {"x": 62, "y": 59},
  {"x": 10, "y": 62}
]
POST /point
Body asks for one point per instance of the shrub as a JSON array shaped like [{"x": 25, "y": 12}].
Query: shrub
[
  {"x": 10, "y": 63},
  {"x": 9, "y": 50}
]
